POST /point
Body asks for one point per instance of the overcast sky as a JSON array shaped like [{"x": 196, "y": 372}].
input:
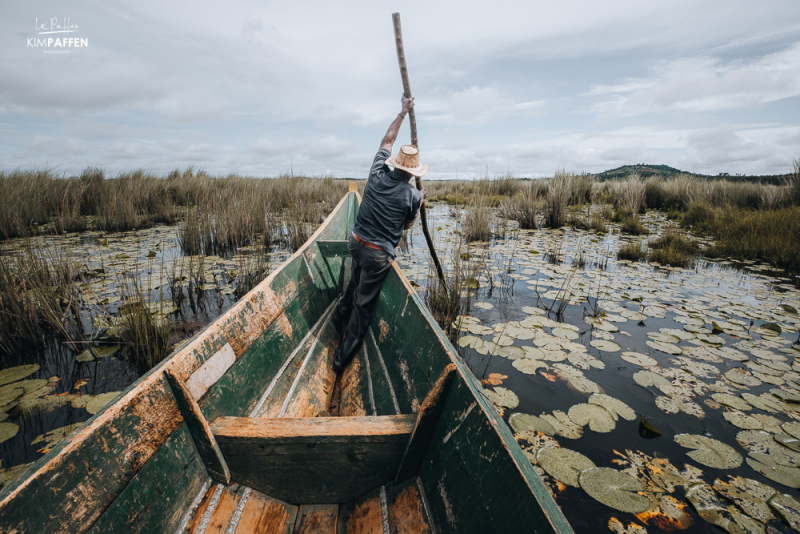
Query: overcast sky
[{"x": 521, "y": 87}]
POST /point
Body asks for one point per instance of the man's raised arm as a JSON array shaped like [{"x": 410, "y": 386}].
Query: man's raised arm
[{"x": 394, "y": 128}]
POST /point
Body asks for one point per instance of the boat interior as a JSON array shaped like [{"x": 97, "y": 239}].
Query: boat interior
[
  {"x": 247, "y": 428},
  {"x": 319, "y": 452}
]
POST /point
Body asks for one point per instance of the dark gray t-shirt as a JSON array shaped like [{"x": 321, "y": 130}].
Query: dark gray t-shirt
[{"x": 389, "y": 204}]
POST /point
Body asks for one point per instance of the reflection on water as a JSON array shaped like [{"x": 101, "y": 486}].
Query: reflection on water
[{"x": 545, "y": 276}]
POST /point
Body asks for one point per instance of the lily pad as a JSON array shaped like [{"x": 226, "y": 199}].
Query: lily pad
[
  {"x": 605, "y": 345},
  {"x": 8, "y": 431},
  {"x": 615, "y": 406},
  {"x": 615, "y": 489},
  {"x": 618, "y": 527},
  {"x": 749, "y": 495},
  {"x": 788, "y": 441},
  {"x": 743, "y": 421},
  {"x": 785, "y": 396},
  {"x": 85, "y": 356},
  {"x": 585, "y": 361},
  {"x": 99, "y": 401},
  {"x": 522, "y": 422},
  {"x": 678, "y": 404},
  {"x": 757, "y": 441},
  {"x": 598, "y": 418},
  {"x": 664, "y": 475},
  {"x": 710, "y": 452},
  {"x": 49, "y": 439},
  {"x": 529, "y": 367},
  {"x": 770, "y": 329},
  {"x": 667, "y": 348},
  {"x": 637, "y": 358},
  {"x": 9, "y": 394},
  {"x": 764, "y": 464},
  {"x": 714, "y": 510},
  {"x": 740, "y": 376},
  {"x": 732, "y": 401},
  {"x": 761, "y": 403},
  {"x": 792, "y": 428},
  {"x": 563, "y": 464},
  {"x": 788, "y": 508},
  {"x": 12, "y": 374},
  {"x": 664, "y": 338},
  {"x": 649, "y": 378},
  {"x": 512, "y": 352},
  {"x": 565, "y": 333},
  {"x": 563, "y": 425},
  {"x": 584, "y": 385}
]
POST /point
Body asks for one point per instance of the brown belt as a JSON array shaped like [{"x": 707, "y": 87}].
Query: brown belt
[{"x": 366, "y": 243}]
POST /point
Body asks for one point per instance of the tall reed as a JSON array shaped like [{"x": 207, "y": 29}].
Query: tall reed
[
  {"x": 476, "y": 221},
  {"x": 523, "y": 207},
  {"x": 39, "y": 292},
  {"x": 148, "y": 335}
]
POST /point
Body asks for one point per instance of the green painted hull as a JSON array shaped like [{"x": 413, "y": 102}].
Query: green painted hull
[{"x": 135, "y": 466}]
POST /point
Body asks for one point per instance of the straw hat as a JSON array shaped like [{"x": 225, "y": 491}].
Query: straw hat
[{"x": 407, "y": 159}]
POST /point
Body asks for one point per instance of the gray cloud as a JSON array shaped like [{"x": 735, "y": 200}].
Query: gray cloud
[{"x": 516, "y": 86}]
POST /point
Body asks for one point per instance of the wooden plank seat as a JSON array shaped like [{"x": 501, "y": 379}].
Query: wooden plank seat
[{"x": 314, "y": 460}]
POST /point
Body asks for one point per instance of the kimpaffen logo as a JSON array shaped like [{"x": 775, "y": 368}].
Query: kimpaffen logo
[{"x": 52, "y": 35}]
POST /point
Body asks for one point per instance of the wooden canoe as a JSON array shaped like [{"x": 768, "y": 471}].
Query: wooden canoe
[{"x": 231, "y": 433}]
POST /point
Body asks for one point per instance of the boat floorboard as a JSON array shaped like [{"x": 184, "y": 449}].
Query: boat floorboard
[{"x": 241, "y": 510}]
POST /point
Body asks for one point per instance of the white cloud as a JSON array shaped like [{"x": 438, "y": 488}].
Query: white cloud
[{"x": 705, "y": 84}]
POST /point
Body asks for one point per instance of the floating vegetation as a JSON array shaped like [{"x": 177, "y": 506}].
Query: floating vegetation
[
  {"x": 8, "y": 431},
  {"x": 598, "y": 418},
  {"x": 521, "y": 422},
  {"x": 12, "y": 374},
  {"x": 49, "y": 439},
  {"x": 502, "y": 397},
  {"x": 563, "y": 464},
  {"x": 98, "y": 402},
  {"x": 710, "y": 452},
  {"x": 615, "y": 489}
]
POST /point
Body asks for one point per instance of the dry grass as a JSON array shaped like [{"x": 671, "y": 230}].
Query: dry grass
[
  {"x": 673, "y": 249},
  {"x": 476, "y": 221},
  {"x": 560, "y": 191},
  {"x": 768, "y": 235},
  {"x": 230, "y": 211},
  {"x": 524, "y": 207},
  {"x": 632, "y": 252},
  {"x": 633, "y": 226}
]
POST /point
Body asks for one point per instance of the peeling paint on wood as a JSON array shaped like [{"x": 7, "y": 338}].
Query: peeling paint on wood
[
  {"x": 265, "y": 515},
  {"x": 316, "y": 519},
  {"x": 211, "y": 371},
  {"x": 407, "y": 512}
]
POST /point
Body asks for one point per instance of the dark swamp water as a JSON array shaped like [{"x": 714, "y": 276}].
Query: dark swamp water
[{"x": 672, "y": 386}]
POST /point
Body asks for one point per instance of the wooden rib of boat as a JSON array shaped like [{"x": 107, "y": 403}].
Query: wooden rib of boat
[{"x": 232, "y": 432}]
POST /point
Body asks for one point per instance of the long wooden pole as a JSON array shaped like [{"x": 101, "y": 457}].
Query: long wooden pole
[{"x": 401, "y": 59}]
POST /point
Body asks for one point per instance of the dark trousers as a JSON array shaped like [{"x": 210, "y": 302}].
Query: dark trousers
[{"x": 370, "y": 268}]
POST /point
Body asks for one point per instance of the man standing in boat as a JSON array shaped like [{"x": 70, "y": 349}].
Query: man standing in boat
[{"x": 390, "y": 205}]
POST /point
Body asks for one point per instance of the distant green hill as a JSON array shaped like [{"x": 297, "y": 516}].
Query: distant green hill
[{"x": 665, "y": 171}]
